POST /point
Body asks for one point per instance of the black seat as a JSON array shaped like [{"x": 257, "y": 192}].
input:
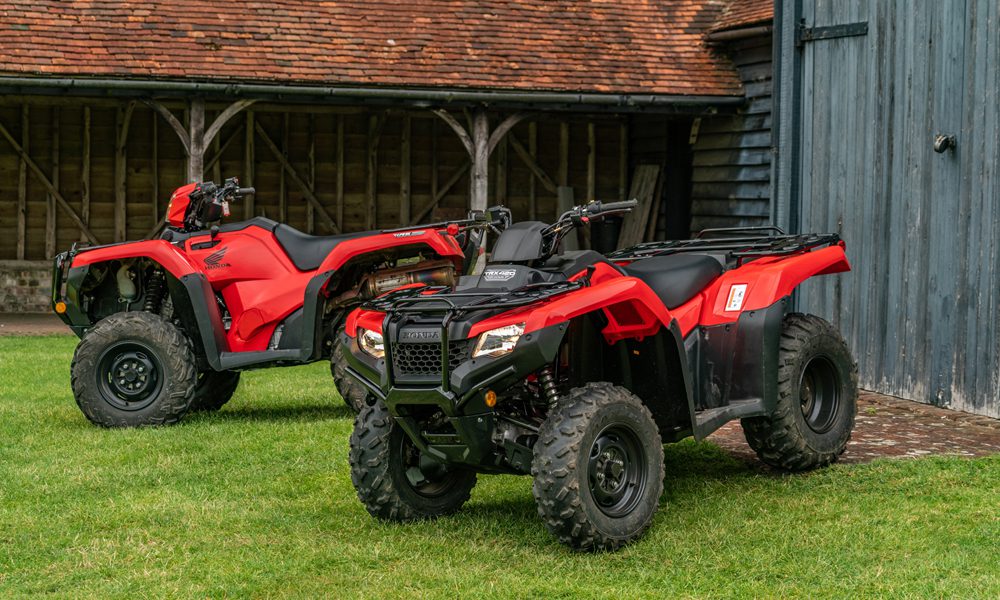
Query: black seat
[
  {"x": 571, "y": 262},
  {"x": 676, "y": 278},
  {"x": 308, "y": 251}
]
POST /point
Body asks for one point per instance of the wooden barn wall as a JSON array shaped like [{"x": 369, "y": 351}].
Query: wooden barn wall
[
  {"x": 922, "y": 228},
  {"x": 732, "y": 154},
  {"x": 581, "y": 151}
]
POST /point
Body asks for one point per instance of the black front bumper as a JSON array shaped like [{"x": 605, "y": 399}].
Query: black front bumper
[{"x": 459, "y": 393}]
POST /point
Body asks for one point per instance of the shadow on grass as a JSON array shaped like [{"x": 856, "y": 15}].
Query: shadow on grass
[
  {"x": 687, "y": 465},
  {"x": 298, "y": 413}
]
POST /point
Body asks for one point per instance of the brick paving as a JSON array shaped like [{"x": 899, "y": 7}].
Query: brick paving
[{"x": 889, "y": 427}]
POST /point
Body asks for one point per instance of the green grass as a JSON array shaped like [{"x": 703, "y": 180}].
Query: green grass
[{"x": 257, "y": 501}]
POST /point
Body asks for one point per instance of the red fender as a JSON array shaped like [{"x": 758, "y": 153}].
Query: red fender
[
  {"x": 764, "y": 281},
  {"x": 443, "y": 245},
  {"x": 160, "y": 251}
]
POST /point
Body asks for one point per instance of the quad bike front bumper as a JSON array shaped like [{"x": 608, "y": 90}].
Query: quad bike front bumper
[{"x": 465, "y": 425}]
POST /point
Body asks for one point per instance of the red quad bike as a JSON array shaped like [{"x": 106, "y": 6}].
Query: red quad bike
[
  {"x": 166, "y": 325},
  {"x": 576, "y": 367}
]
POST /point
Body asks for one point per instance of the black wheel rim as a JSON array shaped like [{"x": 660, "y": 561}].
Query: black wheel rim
[
  {"x": 617, "y": 470},
  {"x": 819, "y": 394},
  {"x": 129, "y": 376},
  {"x": 426, "y": 476}
]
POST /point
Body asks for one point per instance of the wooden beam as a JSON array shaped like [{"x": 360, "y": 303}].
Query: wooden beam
[
  {"x": 532, "y": 155},
  {"x": 501, "y": 131},
  {"x": 340, "y": 169},
  {"x": 50, "y": 201},
  {"x": 310, "y": 217},
  {"x": 501, "y": 187},
  {"x": 404, "y": 171},
  {"x": 124, "y": 118},
  {"x": 375, "y": 124},
  {"x": 460, "y": 131},
  {"x": 320, "y": 210},
  {"x": 223, "y": 118},
  {"x": 22, "y": 186},
  {"x": 622, "y": 161},
  {"x": 213, "y": 163},
  {"x": 564, "y": 154},
  {"x": 591, "y": 162},
  {"x": 196, "y": 135},
  {"x": 48, "y": 185},
  {"x": 220, "y": 149},
  {"x": 176, "y": 125},
  {"x": 479, "y": 181},
  {"x": 155, "y": 170},
  {"x": 248, "y": 160},
  {"x": 441, "y": 193},
  {"x": 434, "y": 159},
  {"x": 528, "y": 158},
  {"x": 282, "y": 188},
  {"x": 85, "y": 169}
]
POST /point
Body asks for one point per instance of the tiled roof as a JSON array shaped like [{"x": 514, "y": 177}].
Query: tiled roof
[
  {"x": 745, "y": 13},
  {"x": 600, "y": 46}
]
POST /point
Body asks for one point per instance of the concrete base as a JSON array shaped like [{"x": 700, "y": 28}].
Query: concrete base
[{"x": 32, "y": 324}]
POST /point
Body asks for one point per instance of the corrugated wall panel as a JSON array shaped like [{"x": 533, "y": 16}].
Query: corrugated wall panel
[{"x": 920, "y": 308}]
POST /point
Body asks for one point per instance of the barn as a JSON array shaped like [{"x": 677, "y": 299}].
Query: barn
[{"x": 354, "y": 115}]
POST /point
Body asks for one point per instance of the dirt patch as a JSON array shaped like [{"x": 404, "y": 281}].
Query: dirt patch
[
  {"x": 891, "y": 427},
  {"x": 32, "y": 324}
]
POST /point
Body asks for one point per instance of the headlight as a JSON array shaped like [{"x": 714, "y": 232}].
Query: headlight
[
  {"x": 371, "y": 343},
  {"x": 499, "y": 341}
]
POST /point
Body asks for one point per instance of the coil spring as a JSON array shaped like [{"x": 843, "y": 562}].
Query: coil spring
[
  {"x": 548, "y": 383},
  {"x": 155, "y": 291}
]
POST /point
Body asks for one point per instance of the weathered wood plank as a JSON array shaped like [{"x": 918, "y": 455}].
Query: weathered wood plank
[
  {"x": 50, "y": 201},
  {"x": 40, "y": 175},
  {"x": 448, "y": 184},
  {"x": 22, "y": 185},
  {"x": 249, "y": 158},
  {"x": 644, "y": 182},
  {"x": 294, "y": 176},
  {"x": 529, "y": 161},
  {"x": 85, "y": 169},
  {"x": 404, "y": 171},
  {"x": 532, "y": 160},
  {"x": 375, "y": 124},
  {"x": 340, "y": 169},
  {"x": 122, "y": 122},
  {"x": 591, "y": 162}
]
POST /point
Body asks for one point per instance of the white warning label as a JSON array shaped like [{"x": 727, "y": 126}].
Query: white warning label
[{"x": 736, "y": 295}]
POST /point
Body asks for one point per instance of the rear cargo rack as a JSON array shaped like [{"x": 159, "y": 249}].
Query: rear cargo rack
[{"x": 734, "y": 243}]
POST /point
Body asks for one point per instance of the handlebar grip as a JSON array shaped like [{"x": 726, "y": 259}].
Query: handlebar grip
[
  {"x": 245, "y": 191},
  {"x": 608, "y": 206}
]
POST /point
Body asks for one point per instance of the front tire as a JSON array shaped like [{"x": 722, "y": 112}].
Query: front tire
[
  {"x": 214, "y": 390},
  {"x": 598, "y": 468},
  {"x": 354, "y": 394},
  {"x": 134, "y": 369},
  {"x": 394, "y": 480},
  {"x": 817, "y": 398}
]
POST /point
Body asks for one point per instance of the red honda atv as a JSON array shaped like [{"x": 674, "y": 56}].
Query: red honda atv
[
  {"x": 576, "y": 367},
  {"x": 166, "y": 325}
]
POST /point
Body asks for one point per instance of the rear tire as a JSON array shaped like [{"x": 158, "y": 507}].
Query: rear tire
[
  {"x": 598, "y": 468},
  {"x": 134, "y": 369},
  {"x": 354, "y": 394},
  {"x": 393, "y": 480},
  {"x": 817, "y": 398},
  {"x": 214, "y": 390}
]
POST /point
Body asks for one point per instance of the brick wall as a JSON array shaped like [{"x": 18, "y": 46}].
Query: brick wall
[{"x": 25, "y": 286}]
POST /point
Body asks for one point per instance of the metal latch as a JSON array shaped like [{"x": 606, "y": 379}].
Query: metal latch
[{"x": 828, "y": 32}]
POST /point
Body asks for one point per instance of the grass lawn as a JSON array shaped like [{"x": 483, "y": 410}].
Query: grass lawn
[{"x": 257, "y": 501}]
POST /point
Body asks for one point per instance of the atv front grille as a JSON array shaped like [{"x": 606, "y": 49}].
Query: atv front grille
[{"x": 424, "y": 360}]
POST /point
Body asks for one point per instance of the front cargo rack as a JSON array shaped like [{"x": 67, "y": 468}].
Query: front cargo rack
[
  {"x": 418, "y": 300},
  {"x": 739, "y": 244}
]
